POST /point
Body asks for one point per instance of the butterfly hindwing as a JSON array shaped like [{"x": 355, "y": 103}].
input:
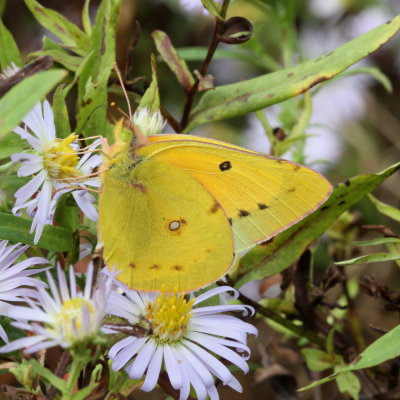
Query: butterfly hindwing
[{"x": 161, "y": 228}]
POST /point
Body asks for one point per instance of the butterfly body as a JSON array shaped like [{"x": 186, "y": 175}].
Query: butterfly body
[{"x": 174, "y": 211}]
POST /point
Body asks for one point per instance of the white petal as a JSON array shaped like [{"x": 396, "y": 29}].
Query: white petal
[
  {"x": 20, "y": 343},
  {"x": 27, "y": 191},
  {"x": 84, "y": 202},
  {"x": 3, "y": 334},
  {"x": 172, "y": 368},
  {"x": 142, "y": 360},
  {"x": 198, "y": 365},
  {"x": 128, "y": 353},
  {"x": 153, "y": 372},
  {"x": 214, "y": 292},
  {"x": 196, "y": 381},
  {"x": 120, "y": 345}
]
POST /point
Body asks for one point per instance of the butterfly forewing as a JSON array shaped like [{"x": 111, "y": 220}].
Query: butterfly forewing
[{"x": 261, "y": 195}]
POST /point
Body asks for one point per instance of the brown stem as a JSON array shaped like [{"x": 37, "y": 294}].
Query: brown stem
[
  {"x": 59, "y": 371},
  {"x": 164, "y": 382},
  {"x": 203, "y": 70},
  {"x": 176, "y": 126}
]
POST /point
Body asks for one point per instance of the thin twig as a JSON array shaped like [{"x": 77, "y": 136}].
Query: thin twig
[
  {"x": 203, "y": 70},
  {"x": 59, "y": 371}
]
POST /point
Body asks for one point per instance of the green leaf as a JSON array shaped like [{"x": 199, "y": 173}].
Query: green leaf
[
  {"x": 86, "y": 23},
  {"x": 93, "y": 98},
  {"x": 318, "y": 360},
  {"x": 383, "y": 349},
  {"x": 282, "y": 250},
  {"x": 374, "y": 72},
  {"x": 349, "y": 384},
  {"x": 9, "y": 50},
  {"x": 213, "y": 7},
  {"x": 85, "y": 392},
  {"x": 151, "y": 98},
  {"x": 385, "y": 209},
  {"x": 60, "y": 26},
  {"x": 60, "y": 111},
  {"x": 16, "y": 229},
  {"x": 174, "y": 62},
  {"x": 377, "y": 241},
  {"x": 54, "y": 380},
  {"x": 11, "y": 144},
  {"x": 370, "y": 258},
  {"x": 17, "y": 102},
  {"x": 247, "y": 96}
]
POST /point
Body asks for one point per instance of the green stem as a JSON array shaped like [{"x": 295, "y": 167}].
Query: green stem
[{"x": 76, "y": 368}]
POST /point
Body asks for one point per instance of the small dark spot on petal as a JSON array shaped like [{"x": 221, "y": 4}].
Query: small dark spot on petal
[
  {"x": 243, "y": 213},
  {"x": 224, "y": 166},
  {"x": 262, "y": 206},
  {"x": 177, "y": 268}
]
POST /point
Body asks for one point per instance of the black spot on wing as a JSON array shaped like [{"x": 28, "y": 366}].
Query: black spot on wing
[
  {"x": 178, "y": 268},
  {"x": 132, "y": 265},
  {"x": 214, "y": 208},
  {"x": 243, "y": 213},
  {"x": 155, "y": 267},
  {"x": 292, "y": 189},
  {"x": 225, "y": 166},
  {"x": 230, "y": 220},
  {"x": 262, "y": 206}
]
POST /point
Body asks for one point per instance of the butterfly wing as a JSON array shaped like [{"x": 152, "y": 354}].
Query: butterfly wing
[
  {"x": 261, "y": 195},
  {"x": 161, "y": 228}
]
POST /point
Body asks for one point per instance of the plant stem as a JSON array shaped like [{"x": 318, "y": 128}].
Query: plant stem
[{"x": 203, "y": 70}]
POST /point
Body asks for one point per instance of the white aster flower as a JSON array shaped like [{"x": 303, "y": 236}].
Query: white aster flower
[
  {"x": 64, "y": 317},
  {"x": 184, "y": 339},
  {"x": 15, "y": 279},
  {"x": 148, "y": 123},
  {"x": 56, "y": 168}
]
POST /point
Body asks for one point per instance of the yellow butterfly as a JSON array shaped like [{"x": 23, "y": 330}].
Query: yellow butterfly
[{"x": 175, "y": 209}]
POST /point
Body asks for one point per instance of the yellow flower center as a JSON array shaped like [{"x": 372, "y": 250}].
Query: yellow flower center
[
  {"x": 69, "y": 320},
  {"x": 168, "y": 316},
  {"x": 60, "y": 159}
]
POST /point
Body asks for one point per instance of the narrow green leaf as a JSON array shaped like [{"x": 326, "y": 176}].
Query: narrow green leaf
[
  {"x": 11, "y": 144},
  {"x": 317, "y": 360},
  {"x": 17, "y": 102},
  {"x": 247, "y": 96},
  {"x": 280, "y": 252},
  {"x": 151, "y": 98},
  {"x": 54, "y": 380},
  {"x": 349, "y": 384},
  {"x": 85, "y": 392},
  {"x": 383, "y": 349},
  {"x": 61, "y": 117},
  {"x": 9, "y": 50},
  {"x": 385, "y": 209},
  {"x": 370, "y": 258},
  {"x": 374, "y": 72},
  {"x": 60, "y": 26},
  {"x": 377, "y": 241},
  {"x": 171, "y": 57},
  {"x": 87, "y": 25},
  {"x": 93, "y": 98},
  {"x": 16, "y": 229}
]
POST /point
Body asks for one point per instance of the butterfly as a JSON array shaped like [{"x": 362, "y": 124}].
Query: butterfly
[{"x": 175, "y": 209}]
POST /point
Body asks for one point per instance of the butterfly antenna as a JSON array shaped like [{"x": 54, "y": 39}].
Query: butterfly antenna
[
  {"x": 123, "y": 89},
  {"x": 112, "y": 104}
]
